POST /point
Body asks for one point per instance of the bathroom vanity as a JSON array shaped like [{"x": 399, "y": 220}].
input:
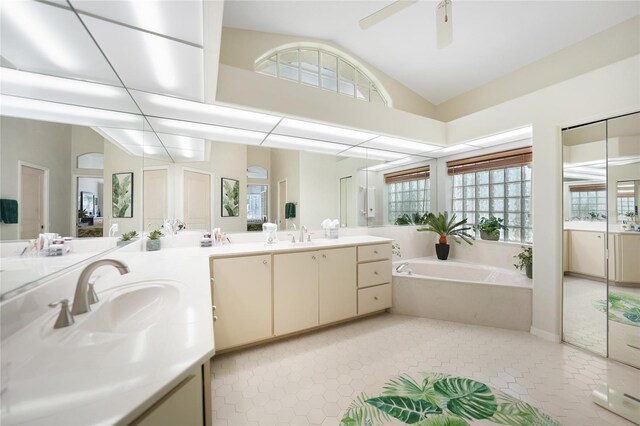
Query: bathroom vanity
[{"x": 266, "y": 291}]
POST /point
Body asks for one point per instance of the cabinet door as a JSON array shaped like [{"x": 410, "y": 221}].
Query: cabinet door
[
  {"x": 242, "y": 296},
  {"x": 337, "y": 284},
  {"x": 295, "y": 292},
  {"x": 587, "y": 255},
  {"x": 630, "y": 253}
]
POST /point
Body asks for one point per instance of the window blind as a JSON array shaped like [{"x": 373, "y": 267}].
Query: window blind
[
  {"x": 405, "y": 175},
  {"x": 588, "y": 187},
  {"x": 498, "y": 160}
]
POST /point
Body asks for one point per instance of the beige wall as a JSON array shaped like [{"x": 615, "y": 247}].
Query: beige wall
[
  {"x": 285, "y": 164},
  {"x": 43, "y": 144},
  {"x": 229, "y": 161},
  {"x": 241, "y": 48}
]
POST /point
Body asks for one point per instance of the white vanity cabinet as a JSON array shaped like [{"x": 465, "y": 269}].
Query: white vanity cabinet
[
  {"x": 337, "y": 284},
  {"x": 624, "y": 250},
  {"x": 587, "y": 253},
  {"x": 295, "y": 292},
  {"x": 241, "y": 294},
  {"x": 374, "y": 278}
]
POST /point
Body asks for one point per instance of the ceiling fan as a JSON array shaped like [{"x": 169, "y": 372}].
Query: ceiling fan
[{"x": 444, "y": 19}]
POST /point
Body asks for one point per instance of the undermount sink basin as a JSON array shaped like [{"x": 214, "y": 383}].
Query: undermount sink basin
[{"x": 134, "y": 307}]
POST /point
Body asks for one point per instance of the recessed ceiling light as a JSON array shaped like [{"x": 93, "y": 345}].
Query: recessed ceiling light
[
  {"x": 504, "y": 137},
  {"x": 289, "y": 142},
  {"x": 31, "y": 80},
  {"x": 389, "y": 165},
  {"x": 372, "y": 154},
  {"x": 207, "y": 131},
  {"x": 304, "y": 129},
  {"x": 456, "y": 148},
  {"x": 400, "y": 145}
]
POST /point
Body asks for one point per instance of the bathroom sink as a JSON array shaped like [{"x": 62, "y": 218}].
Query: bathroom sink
[{"x": 133, "y": 307}]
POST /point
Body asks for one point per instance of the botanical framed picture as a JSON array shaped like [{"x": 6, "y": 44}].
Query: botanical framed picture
[
  {"x": 122, "y": 194},
  {"x": 230, "y": 197}
]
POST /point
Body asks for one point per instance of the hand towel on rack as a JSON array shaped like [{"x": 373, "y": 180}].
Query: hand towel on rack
[
  {"x": 289, "y": 210},
  {"x": 8, "y": 210}
]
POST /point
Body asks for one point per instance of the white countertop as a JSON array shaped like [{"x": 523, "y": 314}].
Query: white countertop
[
  {"x": 84, "y": 375},
  {"x": 595, "y": 227}
]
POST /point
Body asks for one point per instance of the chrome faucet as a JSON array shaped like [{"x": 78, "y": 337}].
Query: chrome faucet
[
  {"x": 303, "y": 229},
  {"x": 403, "y": 266},
  {"x": 81, "y": 298}
]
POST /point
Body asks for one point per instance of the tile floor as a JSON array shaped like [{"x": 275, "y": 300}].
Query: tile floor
[{"x": 313, "y": 378}]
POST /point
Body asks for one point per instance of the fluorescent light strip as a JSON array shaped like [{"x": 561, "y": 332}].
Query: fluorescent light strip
[
  {"x": 163, "y": 64},
  {"x": 71, "y": 114},
  {"x": 289, "y": 142},
  {"x": 304, "y": 129},
  {"x": 505, "y": 137},
  {"x": 372, "y": 154},
  {"x": 207, "y": 131},
  {"x": 30, "y": 19},
  {"x": 212, "y": 114},
  {"x": 389, "y": 165},
  {"x": 456, "y": 148},
  {"x": 409, "y": 147},
  {"x": 30, "y": 80}
]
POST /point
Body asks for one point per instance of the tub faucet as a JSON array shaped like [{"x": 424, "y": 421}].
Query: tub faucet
[
  {"x": 303, "y": 229},
  {"x": 81, "y": 298},
  {"x": 403, "y": 266}
]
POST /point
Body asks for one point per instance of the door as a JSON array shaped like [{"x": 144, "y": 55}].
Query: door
[
  {"x": 282, "y": 200},
  {"x": 337, "y": 284},
  {"x": 197, "y": 200},
  {"x": 155, "y": 203},
  {"x": 241, "y": 294},
  {"x": 32, "y": 199},
  {"x": 295, "y": 292}
]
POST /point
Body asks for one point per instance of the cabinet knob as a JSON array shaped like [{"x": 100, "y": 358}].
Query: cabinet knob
[
  {"x": 375, "y": 251},
  {"x": 212, "y": 280},
  {"x": 324, "y": 256},
  {"x": 213, "y": 307},
  {"x": 375, "y": 297},
  {"x": 215, "y": 318},
  {"x": 313, "y": 257},
  {"x": 375, "y": 272},
  {"x": 264, "y": 262}
]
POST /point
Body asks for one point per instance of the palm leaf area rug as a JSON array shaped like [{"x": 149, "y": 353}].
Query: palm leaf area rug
[
  {"x": 623, "y": 308},
  {"x": 441, "y": 400}
]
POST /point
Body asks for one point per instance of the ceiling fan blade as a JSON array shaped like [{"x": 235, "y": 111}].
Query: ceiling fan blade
[{"x": 385, "y": 12}]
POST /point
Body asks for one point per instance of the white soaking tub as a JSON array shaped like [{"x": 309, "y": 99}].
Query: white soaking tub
[{"x": 463, "y": 292}]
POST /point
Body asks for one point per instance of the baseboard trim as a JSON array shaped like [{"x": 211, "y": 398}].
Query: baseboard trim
[{"x": 555, "y": 338}]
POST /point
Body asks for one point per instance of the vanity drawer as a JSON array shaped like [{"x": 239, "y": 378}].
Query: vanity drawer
[
  {"x": 374, "y": 299},
  {"x": 374, "y": 252},
  {"x": 374, "y": 273}
]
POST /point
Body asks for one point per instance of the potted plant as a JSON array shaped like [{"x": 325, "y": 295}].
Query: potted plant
[
  {"x": 445, "y": 226},
  {"x": 525, "y": 260},
  {"x": 126, "y": 237},
  {"x": 413, "y": 219},
  {"x": 490, "y": 228},
  {"x": 153, "y": 243}
]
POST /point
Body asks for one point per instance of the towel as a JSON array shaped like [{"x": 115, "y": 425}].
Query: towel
[
  {"x": 8, "y": 211},
  {"x": 289, "y": 210}
]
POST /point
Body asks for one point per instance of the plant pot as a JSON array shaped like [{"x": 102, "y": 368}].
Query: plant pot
[
  {"x": 153, "y": 245},
  {"x": 529, "y": 269},
  {"x": 442, "y": 251},
  {"x": 121, "y": 243},
  {"x": 488, "y": 236}
]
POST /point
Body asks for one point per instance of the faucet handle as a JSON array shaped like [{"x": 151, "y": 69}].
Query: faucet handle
[
  {"x": 65, "y": 318},
  {"x": 293, "y": 238}
]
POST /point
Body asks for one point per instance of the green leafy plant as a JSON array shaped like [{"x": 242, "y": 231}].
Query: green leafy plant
[
  {"x": 82, "y": 214},
  {"x": 490, "y": 227},
  {"x": 446, "y": 226},
  {"x": 154, "y": 235},
  {"x": 128, "y": 236},
  {"x": 525, "y": 257},
  {"x": 441, "y": 400},
  {"x": 413, "y": 219}
]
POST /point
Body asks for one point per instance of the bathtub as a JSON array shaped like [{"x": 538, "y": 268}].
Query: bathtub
[{"x": 463, "y": 292}]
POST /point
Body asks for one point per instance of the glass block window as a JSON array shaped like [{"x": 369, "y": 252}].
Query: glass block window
[
  {"x": 408, "y": 192},
  {"x": 496, "y": 185},
  {"x": 588, "y": 201},
  {"x": 323, "y": 69},
  {"x": 626, "y": 205}
]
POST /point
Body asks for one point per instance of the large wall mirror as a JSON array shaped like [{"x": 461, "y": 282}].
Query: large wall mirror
[{"x": 601, "y": 286}]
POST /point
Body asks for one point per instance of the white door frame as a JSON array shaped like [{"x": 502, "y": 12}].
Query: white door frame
[
  {"x": 284, "y": 221},
  {"x": 45, "y": 195},
  {"x": 74, "y": 202},
  {"x": 211, "y": 198}
]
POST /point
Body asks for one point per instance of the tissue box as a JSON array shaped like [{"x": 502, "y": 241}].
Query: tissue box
[{"x": 331, "y": 233}]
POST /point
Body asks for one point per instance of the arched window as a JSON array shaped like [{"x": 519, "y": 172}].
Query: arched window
[
  {"x": 91, "y": 160},
  {"x": 323, "y": 67}
]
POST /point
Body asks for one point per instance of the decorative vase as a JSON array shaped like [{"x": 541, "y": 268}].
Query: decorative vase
[
  {"x": 489, "y": 236},
  {"x": 529, "y": 269},
  {"x": 442, "y": 251},
  {"x": 153, "y": 245}
]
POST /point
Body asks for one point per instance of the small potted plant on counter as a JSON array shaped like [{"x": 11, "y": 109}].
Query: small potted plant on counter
[
  {"x": 525, "y": 260},
  {"x": 126, "y": 238},
  {"x": 153, "y": 243},
  {"x": 445, "y": 226},
  {"x": 490, "y": 228}
]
